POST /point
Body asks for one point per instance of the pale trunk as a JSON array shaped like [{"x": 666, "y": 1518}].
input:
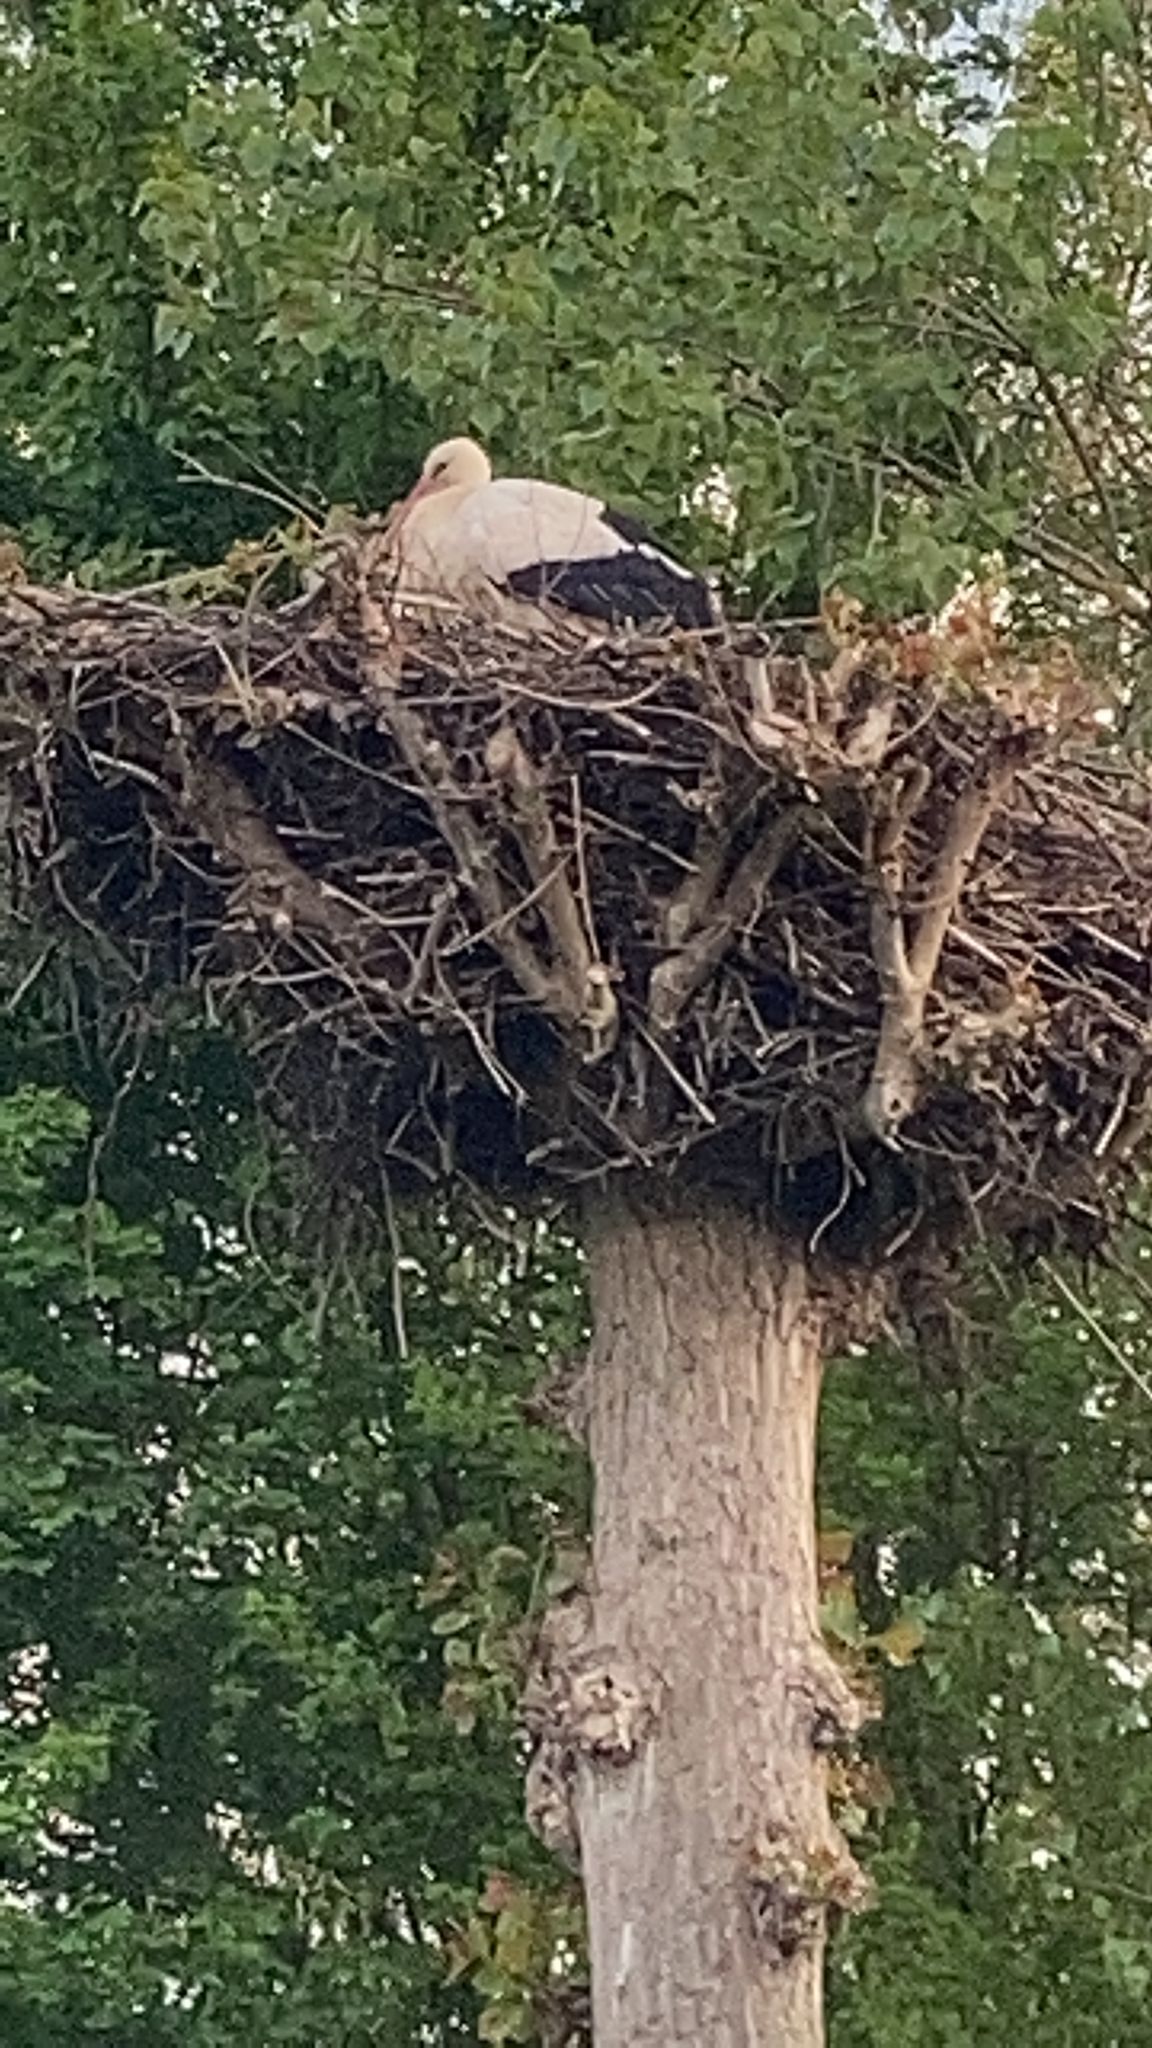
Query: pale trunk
[{"x": 699, "y": 1801}]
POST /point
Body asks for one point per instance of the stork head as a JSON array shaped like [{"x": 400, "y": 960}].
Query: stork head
[
  {"x": 459, "y": 461},
  {"x": 459, "y": 464}
]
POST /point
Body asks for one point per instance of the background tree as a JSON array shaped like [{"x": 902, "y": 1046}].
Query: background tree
[
  {"x": 262, "y": 1581},
  {"x": 303, "y": 252},
  {"x": 921, "y": 349}
]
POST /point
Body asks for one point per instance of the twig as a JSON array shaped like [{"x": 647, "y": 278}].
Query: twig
[
  {"x": 201, "y": 474},
  {"x": 395, "y": 1272},
  {"x": 102, "y": 1137},
  {"x": 679, "y": 1080},
  {"x": 1093, "y": 1323},
  {"x": 446, "y": 800}
]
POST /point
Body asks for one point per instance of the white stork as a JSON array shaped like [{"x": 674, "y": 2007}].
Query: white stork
[{"x": 461, "y": 534}]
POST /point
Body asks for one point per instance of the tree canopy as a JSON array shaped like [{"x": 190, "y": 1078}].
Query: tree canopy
[
  {"x": 881, "y": 272},
  {"x": 850, "y": 298}
]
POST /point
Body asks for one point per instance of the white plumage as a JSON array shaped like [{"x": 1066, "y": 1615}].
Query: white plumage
[{"x": 462, "y": 534}]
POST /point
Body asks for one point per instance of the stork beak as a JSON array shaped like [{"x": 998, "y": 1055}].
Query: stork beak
[
  {"x": 398, "y": 512},
  {"x": 420, "y": 489}
]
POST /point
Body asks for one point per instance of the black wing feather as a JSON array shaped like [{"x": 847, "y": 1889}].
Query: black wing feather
[
  {"x": 632, "y": 530},
  {"x": 639, "y": 586}
]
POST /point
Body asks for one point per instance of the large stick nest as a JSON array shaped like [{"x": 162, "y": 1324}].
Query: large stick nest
[{"x": 868, "y": 936}]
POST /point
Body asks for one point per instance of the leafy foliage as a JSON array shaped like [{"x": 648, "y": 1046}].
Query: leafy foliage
[
  {"x": 995, "y": 1486},
  {"x": 884, "y": 277},
  {"x": 263, "y": 1581},
  {"x": 239, "y": 1791},
  {"x": 885, "y": 273}
]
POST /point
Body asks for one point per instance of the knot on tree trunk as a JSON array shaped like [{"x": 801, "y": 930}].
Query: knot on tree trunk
[
  {"x": 583, "y": 1703},
  {"x": 835, "y": 1711},
  {"x": 792, "y": 1887},
  {"x": 853, "y": 1301}
]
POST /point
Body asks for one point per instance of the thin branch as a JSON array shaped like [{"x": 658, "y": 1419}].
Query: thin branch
[
  {"x": 1039, "y": 544},
  {"x": 452, "y": 813},
  {"x": 1092, "y": 1322},
  {"x": 201, "y": 474}
]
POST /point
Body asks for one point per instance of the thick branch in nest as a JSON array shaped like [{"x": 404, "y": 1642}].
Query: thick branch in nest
[
  {"x": 907, "y": 964},
  {"x": 273, "y": 889},
  {"x": 676, "y": 978},
  {"x": 582, "y": 993},
  {"x": 573, "y": 987}
]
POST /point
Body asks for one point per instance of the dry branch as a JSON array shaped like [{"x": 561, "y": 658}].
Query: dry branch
[
  {"x": 676, "y": 978},
  {"x": 907, "y": 968},
  {"x": 274, "y": 889},
  {"x": 583, "y": 990}
]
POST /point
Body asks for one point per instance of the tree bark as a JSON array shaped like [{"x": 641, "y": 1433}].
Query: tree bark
[{"x": 696, "y": 1694}]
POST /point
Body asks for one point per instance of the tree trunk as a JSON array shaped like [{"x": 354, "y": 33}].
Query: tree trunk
[{"x": 696, "y": 1693}]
